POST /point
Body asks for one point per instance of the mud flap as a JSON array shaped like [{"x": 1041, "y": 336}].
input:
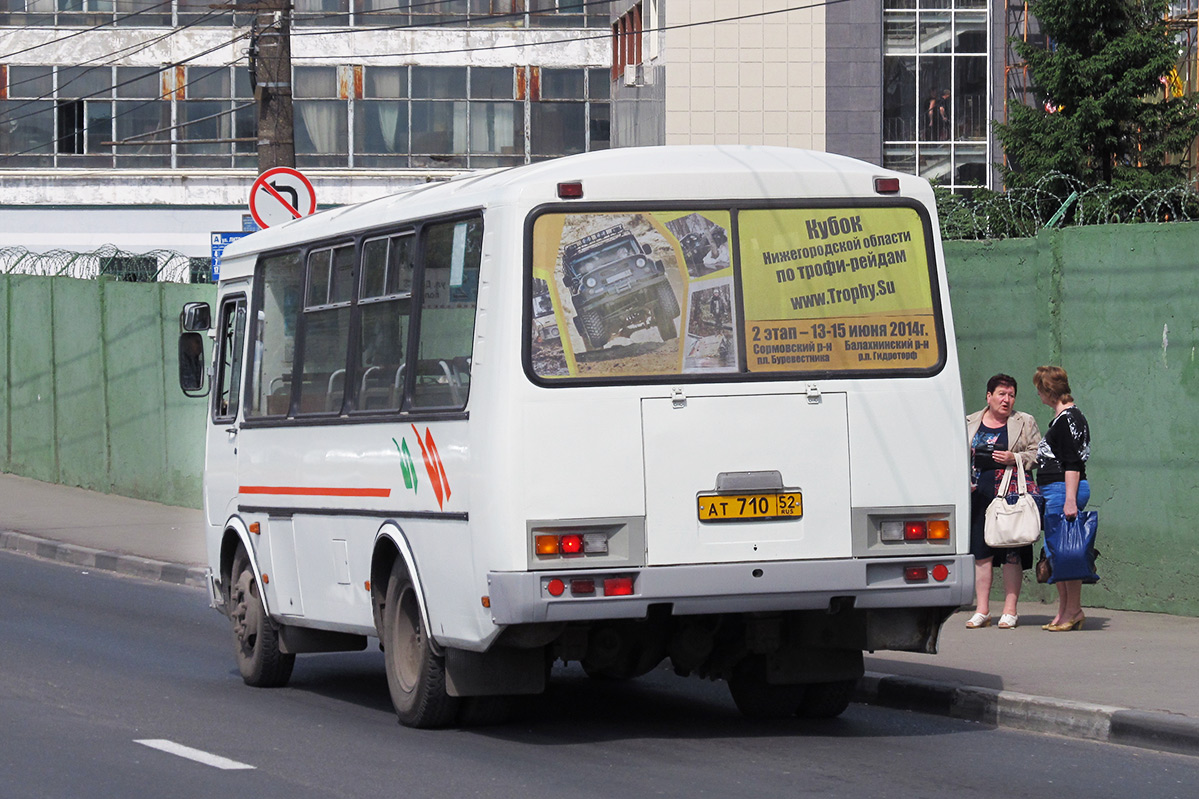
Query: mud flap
[
  {"x": 905, "y": 629},
  {"x": 498, "y": 672}
]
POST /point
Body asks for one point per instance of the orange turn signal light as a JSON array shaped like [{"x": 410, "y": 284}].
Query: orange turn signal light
[{"x": 938, "y": 530}]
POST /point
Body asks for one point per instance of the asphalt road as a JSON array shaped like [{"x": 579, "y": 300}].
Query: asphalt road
[{"x": 114, "y": 687}]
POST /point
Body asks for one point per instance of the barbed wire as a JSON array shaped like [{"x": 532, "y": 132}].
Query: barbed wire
[
  {"x": 155, "y": 266},
  {"x": 1059, "y": 200}
]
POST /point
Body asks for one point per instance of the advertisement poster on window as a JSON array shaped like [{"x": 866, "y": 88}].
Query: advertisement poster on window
[
  {"x": 836, "y": 289},
  {"x": 619, "y": 294}
]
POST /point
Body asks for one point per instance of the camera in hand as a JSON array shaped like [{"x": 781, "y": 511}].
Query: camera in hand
[{"x": 984, "y": 457}]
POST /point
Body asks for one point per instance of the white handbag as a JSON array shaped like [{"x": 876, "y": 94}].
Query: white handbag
[{"x": 1014, "y": 525}]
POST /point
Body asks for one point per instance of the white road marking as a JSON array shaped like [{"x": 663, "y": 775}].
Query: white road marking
[{"x": 198, "y": 755}]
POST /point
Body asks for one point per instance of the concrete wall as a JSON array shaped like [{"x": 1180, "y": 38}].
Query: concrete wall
[
  {"x": 91, "y": 398},
  {"x": 1116, "y": 306},
  {"x": 90, "y": 394}
]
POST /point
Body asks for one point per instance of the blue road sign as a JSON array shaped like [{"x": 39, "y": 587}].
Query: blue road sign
[{"x": 219, "y": 242}]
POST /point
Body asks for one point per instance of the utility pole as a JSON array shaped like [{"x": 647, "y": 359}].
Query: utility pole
[{"x": 270, "y": 69}]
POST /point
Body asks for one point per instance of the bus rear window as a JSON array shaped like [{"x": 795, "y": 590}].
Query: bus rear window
[{"x": 633, "y": 294}]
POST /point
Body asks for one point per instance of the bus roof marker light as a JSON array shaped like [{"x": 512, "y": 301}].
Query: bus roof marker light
[
  {"x": 886, "y": 185},
  {"x": 570, "y": 191}
]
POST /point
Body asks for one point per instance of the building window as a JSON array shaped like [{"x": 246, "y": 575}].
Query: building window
[
  {"x": 626, "y": 41},
  {"x": 369, "y": 117},
  {"x": 935, "y": 90}
]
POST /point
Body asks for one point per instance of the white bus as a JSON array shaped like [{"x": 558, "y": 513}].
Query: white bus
[{"x": 739, "y": 447}]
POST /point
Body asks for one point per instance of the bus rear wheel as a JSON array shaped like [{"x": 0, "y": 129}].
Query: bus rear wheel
[
  {"x": 415, "y": 673},
  {"x": 758, "y": 699},
  {"x": 826, "y": 700},
  {"x": 255, "y": 638}
]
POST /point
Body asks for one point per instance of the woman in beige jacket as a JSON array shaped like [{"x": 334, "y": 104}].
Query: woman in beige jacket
[{"x": 998, "y": 435}]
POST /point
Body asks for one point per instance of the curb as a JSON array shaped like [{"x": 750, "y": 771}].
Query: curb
[
  {"x": 129, "y": 565},
  {"x": 1159, "y": 731}
]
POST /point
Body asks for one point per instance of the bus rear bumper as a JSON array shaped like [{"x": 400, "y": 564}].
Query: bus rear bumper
[{"x": 758, "y": 587}]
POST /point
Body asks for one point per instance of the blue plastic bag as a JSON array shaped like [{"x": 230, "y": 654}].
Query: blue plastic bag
[{"x": 1070, "y": 545}]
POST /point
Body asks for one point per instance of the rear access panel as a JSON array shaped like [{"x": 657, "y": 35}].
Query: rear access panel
[{"x": 747, "y": 478}]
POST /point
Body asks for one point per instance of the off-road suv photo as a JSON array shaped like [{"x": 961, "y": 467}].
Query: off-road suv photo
[{"x": 616, "y": 287}]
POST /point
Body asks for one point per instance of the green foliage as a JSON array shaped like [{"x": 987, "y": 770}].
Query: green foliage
[{"x": 1096, "y": 119}]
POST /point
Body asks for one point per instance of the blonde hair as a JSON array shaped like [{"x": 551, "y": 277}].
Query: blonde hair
[{"x": 1053, "y": 383}]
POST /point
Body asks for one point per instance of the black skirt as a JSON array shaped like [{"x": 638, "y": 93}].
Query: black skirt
[{"x": 980, "y": 498}]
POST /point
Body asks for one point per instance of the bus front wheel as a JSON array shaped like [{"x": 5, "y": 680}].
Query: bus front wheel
[
  {"x": 255, "y": 638},
  {"x": 415, "y": 673}
]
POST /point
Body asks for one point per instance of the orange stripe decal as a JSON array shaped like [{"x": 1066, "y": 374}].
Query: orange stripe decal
[{"x": 316, "y": 491}]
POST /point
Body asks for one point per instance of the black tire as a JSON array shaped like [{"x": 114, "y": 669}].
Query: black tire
[
  {"x": 826, "y": 700},
  {"x": 595, "y": 329},
  {"x": 665, "y": 324},
  {"x": 415, "y": 674},
  {"x": 758, "y": 699},
  {"x": 667, "y": 301},
  {"x": 255, "y": 637}
]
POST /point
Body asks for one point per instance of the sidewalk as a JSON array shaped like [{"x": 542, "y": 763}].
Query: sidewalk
[{"x": 1125, "y": 678}]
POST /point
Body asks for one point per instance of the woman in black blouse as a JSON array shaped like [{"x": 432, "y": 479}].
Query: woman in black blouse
[{"x": 1062, "y": 475}]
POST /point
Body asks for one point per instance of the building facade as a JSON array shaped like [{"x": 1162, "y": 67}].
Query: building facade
[
  {"x": 911, "y": 85},
  {"x": 131, "y": 123}
]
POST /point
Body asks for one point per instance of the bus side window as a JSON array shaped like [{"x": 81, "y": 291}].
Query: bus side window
[
  {"x": 452, "y": 252},
  {"x": 231, "y": 334},
  {"x": 326, "y": 329},
  {"x": 384, "y": 299},
  {"x": 275, "y": 335}
]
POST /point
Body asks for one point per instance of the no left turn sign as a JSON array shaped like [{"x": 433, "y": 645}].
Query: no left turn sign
[{"x": 281, "y": 195}]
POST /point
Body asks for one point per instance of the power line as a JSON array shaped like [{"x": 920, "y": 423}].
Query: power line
[
  {"x": 607, "y": 34},
  {"x": 133, "y": 139},
  {"x": 137, "y": 106},
  {"x": 398, "y": 9},
  {"x": 127, "y": 50},
  {"x": 54, "y": 96},
  {"x": 105, "y": 24}
]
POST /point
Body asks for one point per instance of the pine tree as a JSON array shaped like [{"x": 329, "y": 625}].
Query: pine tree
[{"x": 1100, "y": 117}]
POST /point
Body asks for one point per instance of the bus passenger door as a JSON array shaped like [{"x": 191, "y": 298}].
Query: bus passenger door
[{"x": 220, "y": 473}]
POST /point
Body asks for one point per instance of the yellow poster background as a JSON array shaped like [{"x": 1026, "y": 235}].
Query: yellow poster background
[{"x": 836, "y": 289}]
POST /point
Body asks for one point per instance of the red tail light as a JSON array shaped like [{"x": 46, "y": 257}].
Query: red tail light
[
  {"x": 915, "y": 531},
  {"x": 916, "y": 574},
  {"x": 618, "y": 586}
]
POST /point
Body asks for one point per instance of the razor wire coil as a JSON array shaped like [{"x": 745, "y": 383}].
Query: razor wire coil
[{"x": 154, "y": 266}]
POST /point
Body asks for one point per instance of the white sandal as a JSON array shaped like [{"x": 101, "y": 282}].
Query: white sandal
[
  {"x": 1008, "y": 621},
  {"x": 978, "y": 620}
]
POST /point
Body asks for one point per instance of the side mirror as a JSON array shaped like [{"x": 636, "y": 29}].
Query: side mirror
[
  {"x": 191, "y": 362},
  {"x": 647, "y": 249},
  {"x": 196, "y": 316}
]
